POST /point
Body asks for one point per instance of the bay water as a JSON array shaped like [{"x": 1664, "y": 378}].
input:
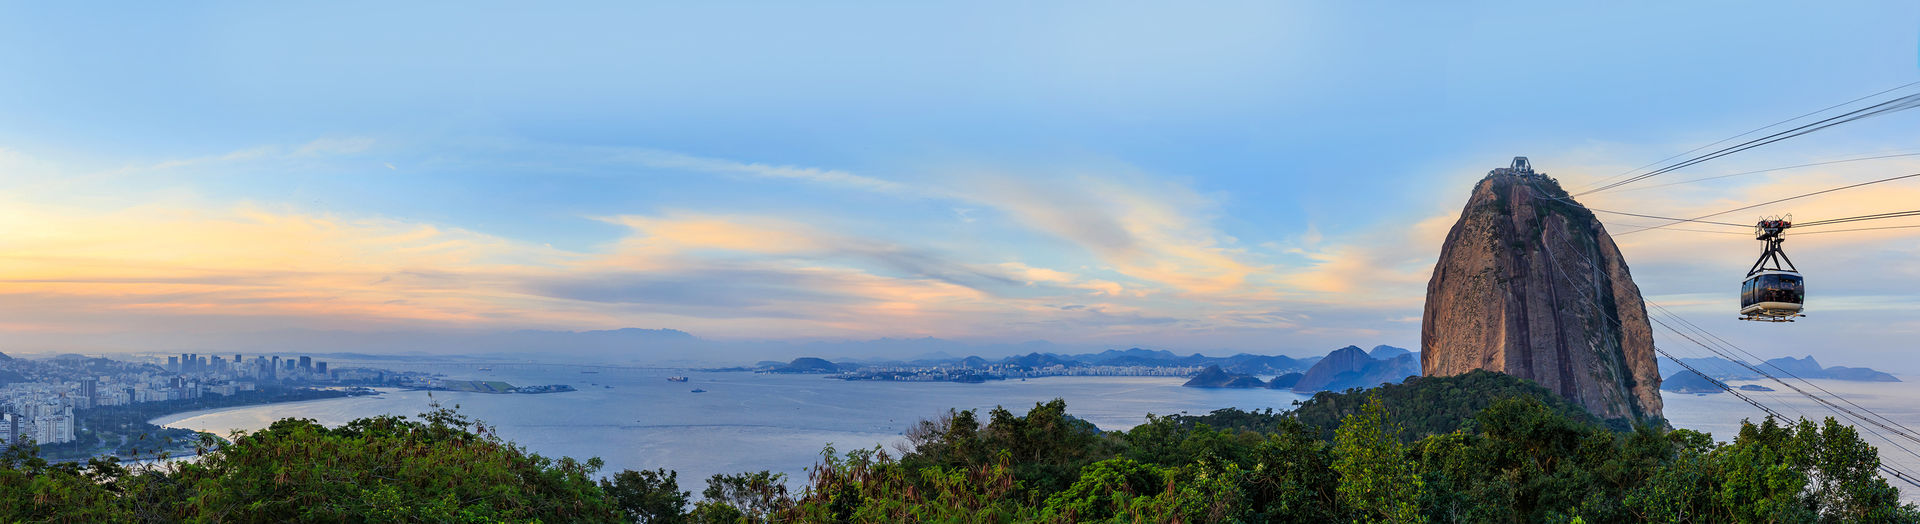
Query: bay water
[{"x": 634, "y": 418}]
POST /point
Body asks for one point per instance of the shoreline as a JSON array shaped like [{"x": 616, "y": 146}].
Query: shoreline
[{"x": 167, "y": 420}]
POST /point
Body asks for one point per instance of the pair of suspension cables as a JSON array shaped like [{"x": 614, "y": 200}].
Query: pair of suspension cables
[{"x": 1899, "y": 98}]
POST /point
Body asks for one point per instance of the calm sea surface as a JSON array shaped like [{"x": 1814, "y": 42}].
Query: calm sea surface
[
  {"x": 743, "y": 422},
  {"x": 635, "y": 419}
]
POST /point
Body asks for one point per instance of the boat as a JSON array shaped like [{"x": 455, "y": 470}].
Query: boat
[
  {"x": 486, "y": 369},
  {"x": 698, "y": 390},
  {"x": 676, "y": 379},
  {"x": 588, "y": 372}
]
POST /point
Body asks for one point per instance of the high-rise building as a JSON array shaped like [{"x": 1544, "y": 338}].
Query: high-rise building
[
  {"x": 306, "y": 363},
  {"x": 320, "y": 368},
  {"x": 173, "y": 364},
  {"x": 90, "y": 388}
]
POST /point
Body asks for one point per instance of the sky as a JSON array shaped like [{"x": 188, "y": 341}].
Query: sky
[{"x": 1268, "y": 177}]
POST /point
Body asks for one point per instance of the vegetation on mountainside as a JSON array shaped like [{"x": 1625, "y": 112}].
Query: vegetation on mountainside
[
  {"x": 1517, "y": 458},
  {"x": 1421, "y": 406}
]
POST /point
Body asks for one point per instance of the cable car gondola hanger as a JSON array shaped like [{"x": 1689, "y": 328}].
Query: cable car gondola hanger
[{"x": 1774, "y": 290}]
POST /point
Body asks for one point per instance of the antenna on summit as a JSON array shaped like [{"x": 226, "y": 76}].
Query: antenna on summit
[{"x": 1520, "y": 167}]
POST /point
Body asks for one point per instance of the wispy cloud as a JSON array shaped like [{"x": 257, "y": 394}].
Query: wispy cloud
[{"x": 672, "y": 160}]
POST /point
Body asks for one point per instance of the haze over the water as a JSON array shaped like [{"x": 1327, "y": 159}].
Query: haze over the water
[{"x": 776, "y": 181}]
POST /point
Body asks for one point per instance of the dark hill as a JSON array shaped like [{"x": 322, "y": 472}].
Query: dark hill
[
  {"x": 1214, "y": 377},
  {"x": 1349, "y": 367},
  {"x": 808, "y": 365},
  {"x": 1262, "y": 364},
  {"x": 1386, "y": 352},
  {"x": 1285, "y": 381},
  {"x": 1802, "y": 367},
  {"x": 1690, "y": 382},
  {"x": 1859, "y": 374},
  {"x": 1130, "y": 357},
  {"x": 1434, "y": 405},
  {"x": 1038, "y": 360}
]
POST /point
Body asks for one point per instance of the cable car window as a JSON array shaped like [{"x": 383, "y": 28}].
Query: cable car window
[{"x": 1778, "y": 288}]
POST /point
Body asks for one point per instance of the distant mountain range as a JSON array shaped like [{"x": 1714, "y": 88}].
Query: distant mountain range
[
  {"x": 1344, "y": 368},
  {"x": 1719, "y": 370},
  {"x": 1244, "y": 363}
]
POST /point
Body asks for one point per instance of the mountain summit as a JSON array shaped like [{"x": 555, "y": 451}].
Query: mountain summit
[{"x": 1530, "y": 284}]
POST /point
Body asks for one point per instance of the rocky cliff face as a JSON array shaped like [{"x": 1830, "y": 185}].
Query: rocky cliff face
[{"x": 1530, "y": 284}]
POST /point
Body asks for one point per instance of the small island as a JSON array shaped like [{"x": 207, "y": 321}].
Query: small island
[{"x": 1692, "y": 383}]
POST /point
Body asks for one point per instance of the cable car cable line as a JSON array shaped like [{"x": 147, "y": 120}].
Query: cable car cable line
[
  {"x": 1803, "y": 233},
  {"x": 1855, "y": 229},
  {"x": 1769, "y": 170},
  {"x": 1910, "y": 434},
  {"x": 1671, "y": 218},
  {"x": 1855, "y": 418},
  {"x": 1542, "y": 194},
  {"x": 1897, "y": 104},
  {"x": 1754, "y": 130},
  {"x": 1892, "y": 214},
  {"x": 1771, "y": 202}
]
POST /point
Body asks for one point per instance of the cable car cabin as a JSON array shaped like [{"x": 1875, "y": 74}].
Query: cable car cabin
[
  {"x": 1772, "y": 295},
  {"x": 1774, "y": 290}
]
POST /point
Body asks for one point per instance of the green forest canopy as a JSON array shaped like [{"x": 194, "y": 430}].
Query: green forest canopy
[{"x": 1481, "y": 447}]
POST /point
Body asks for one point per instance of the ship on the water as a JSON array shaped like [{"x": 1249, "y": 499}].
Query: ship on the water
[{"x": 676, "y": 379}]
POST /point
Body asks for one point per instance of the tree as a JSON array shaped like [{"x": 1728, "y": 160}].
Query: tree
[
  {"x": 754, "y": 495},
  {"x": 1376, "y": 479},
  {"x": 1106, "y": 490},
  {"x": 649, "y": 496}
]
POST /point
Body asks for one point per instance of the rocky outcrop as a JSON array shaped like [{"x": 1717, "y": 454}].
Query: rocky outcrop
[{"x": 1530, "y": 284}]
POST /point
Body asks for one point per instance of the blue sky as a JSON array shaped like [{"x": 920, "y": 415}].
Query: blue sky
[{"x": 1231, "y": 177}]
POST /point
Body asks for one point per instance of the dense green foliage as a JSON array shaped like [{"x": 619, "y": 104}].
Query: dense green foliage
[
  {"x": 1420, "y": 407},
  {"x": 383, "y": 469},
  {"x": 1519, "y": 458},
  {"x": 1425, "y": 406}
]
